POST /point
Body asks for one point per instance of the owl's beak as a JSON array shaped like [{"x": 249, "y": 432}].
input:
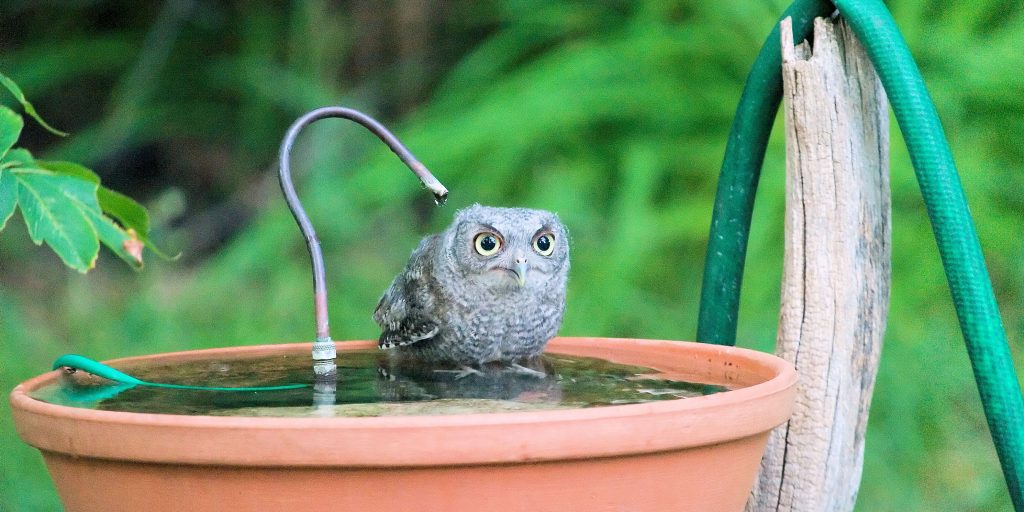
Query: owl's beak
[{"x": 519, "y": 269}]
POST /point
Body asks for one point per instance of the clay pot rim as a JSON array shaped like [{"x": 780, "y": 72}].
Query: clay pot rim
[{"x": 466, "y": 438}]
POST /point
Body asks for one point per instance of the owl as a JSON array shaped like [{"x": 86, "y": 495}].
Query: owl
[{"x": 489, "y": 289}]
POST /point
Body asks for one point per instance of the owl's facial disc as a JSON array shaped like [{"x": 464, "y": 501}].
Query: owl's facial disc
[{"x": 512, "y": 250}]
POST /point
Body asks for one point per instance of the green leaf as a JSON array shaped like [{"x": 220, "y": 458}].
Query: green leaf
[
  {"x": 8, "y": 196},
  {"x": 125, "y": 244},
  {"x": 70, "y": 169},
  {"x": 17, "y": 157},
  {"x": 29, "y": 109},
  {"x": 10, "y": 129},
  {"x": 129, "y": 213},
  {"x": 58, "y": 210}
]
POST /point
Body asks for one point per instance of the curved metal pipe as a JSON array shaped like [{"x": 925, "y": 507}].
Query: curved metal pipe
[{"x": 323, "y": 348}]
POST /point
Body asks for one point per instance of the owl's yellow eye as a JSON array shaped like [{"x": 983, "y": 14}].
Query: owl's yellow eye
[
  {"x": 487, "y": 243},
  {"x": 544, "y": 244}
]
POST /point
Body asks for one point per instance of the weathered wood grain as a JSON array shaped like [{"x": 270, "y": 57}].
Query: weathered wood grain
[{"x": 836, "y": 273}]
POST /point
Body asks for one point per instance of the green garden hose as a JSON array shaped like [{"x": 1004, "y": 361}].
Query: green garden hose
[
  {"x": 944, "y": 199},
  {"x": 101, "y": 370},
  {"x": 737, "y": 183}
]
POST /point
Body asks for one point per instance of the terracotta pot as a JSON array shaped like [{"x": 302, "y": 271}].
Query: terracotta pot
[{"x": 698, "y": 454}]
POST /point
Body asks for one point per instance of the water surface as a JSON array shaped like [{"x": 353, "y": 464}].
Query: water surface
[{"x": 369, "y": 384}]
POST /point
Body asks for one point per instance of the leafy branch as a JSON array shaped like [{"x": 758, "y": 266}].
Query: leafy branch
[{"x": 63, "y": 203}]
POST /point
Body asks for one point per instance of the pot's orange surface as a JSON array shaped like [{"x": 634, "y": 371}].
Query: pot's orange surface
[{"x": 698, "y": 454}]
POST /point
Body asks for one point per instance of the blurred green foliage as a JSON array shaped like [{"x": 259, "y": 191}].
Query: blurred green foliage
[{"x": 614, "y": 114}]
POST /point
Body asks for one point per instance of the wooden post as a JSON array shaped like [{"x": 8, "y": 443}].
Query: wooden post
[{"x": 836, "y": 273}]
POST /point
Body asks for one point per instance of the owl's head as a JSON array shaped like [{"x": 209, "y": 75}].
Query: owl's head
[{"x": 508, "y": 247}]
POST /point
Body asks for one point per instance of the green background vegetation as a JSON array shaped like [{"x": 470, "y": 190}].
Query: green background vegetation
[{"x": 614, "y": 114}]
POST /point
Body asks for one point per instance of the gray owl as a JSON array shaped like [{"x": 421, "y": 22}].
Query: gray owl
[{"x": 489, "y": 289}]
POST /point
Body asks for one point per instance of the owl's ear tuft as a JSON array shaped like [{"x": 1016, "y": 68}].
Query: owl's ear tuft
[{"x": 471, "y": 210}]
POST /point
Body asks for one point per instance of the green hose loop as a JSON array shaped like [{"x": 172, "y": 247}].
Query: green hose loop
[
  {"x": 954, "y": 231},
  {"x": 99, "y": 369},
  {"x": 737, "y": 183},
  {"x": 944, "y": 198}
]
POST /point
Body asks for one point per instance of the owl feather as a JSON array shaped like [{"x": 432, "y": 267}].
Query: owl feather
[
  {"x": 405, "y": 310},
  {"x": 491, "y": 287}
]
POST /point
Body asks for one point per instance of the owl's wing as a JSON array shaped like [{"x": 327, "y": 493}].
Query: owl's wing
[{"x": 405, "y": 312}]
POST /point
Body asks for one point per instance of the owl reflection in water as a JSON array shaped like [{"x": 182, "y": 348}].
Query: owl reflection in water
[{"x": 489, "y": 289}]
